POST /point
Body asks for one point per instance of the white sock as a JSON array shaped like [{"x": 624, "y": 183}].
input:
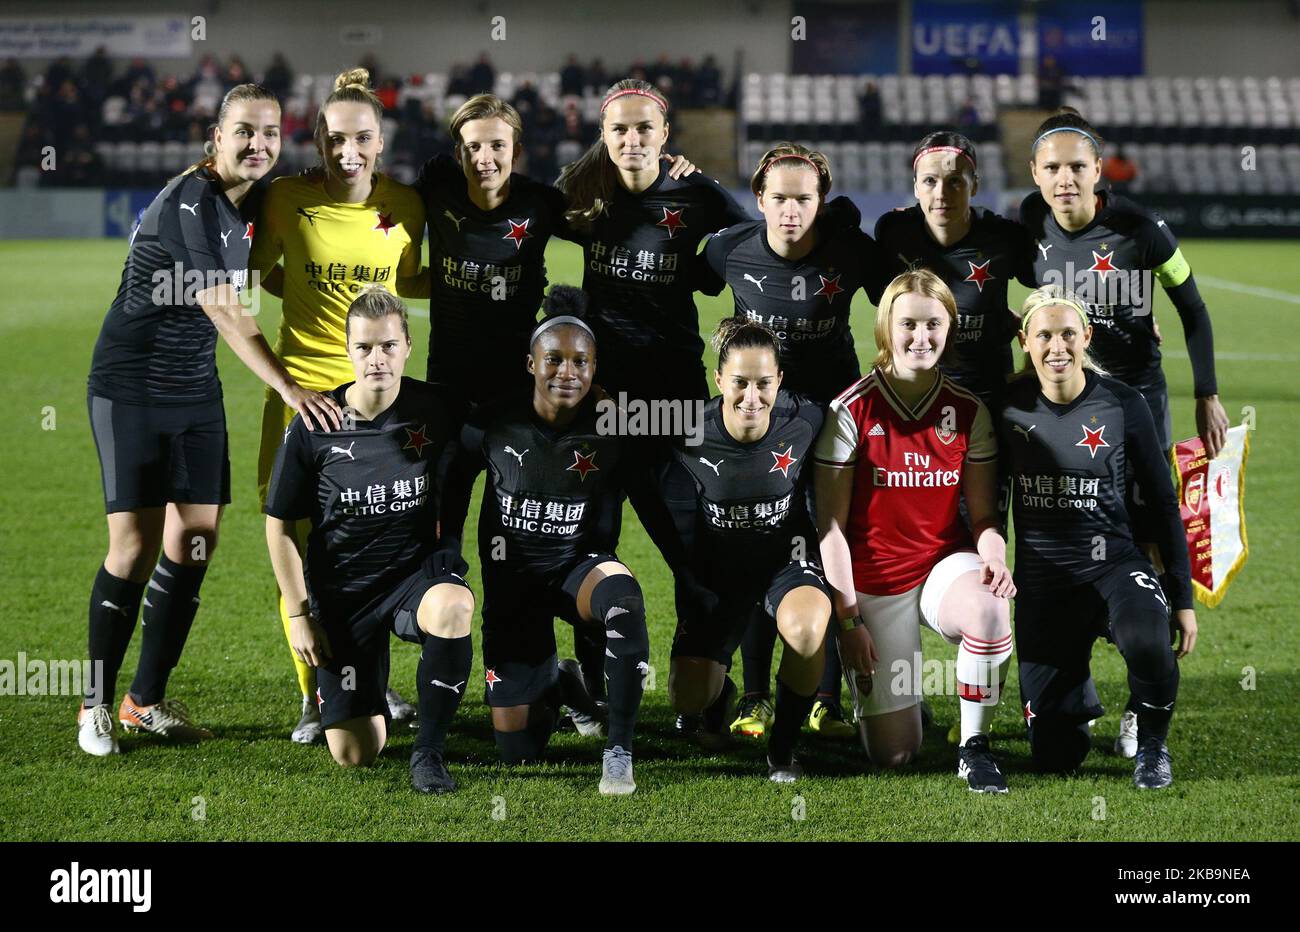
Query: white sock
[{"x": 979, "y": 672}]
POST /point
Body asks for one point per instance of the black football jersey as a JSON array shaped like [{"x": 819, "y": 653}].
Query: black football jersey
[
  {"x": 805, "y": 301},
  {"x": 746, "y": 505},
  {"x": 977, "y": 270},
  {"x": 640, "y": 272},
  {"x": 1067, "y": 467},
  {"x": 551, "y": 495},
  {"x": 157, "y": 345},
  {"x": 1108, "y": 264},
  {"x": 369, "y": 492},
  {"x": 488, "y": 271}
]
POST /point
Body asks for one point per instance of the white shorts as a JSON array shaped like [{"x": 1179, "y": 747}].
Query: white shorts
[{"x": 894, "y": 623}]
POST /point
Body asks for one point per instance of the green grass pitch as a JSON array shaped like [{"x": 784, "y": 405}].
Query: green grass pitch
[{"x": 1235, "y": 749}]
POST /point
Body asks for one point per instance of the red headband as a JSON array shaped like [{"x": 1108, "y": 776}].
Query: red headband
[
  {"x": 791, "y": 155},
  {"x": 962, "y": 152},
  {"x": 659, "y": 101}
]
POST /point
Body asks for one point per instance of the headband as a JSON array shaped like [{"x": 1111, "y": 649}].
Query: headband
[
  {"x": 1068, "y": 129},
  {"x": 659, "y": 101},
  {"x": 792, "y": 155},
  {"x": 555, "y": 322},
  {"x": 1050, "y": 301},
  {"x": 962, "y": 152}
]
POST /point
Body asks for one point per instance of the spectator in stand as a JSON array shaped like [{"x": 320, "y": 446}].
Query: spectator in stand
[
  {"x": 967, "y": 116},
  {"x": 81, "y": 167},
  {"x": 573, "y": 124},
  {"x": 138, "y": 70},
  {"x": 387, "y": 93},
  {"x": 483, "y": 76},
  {"x": 371, "y": 64},
  {"x": 459, "y": 83},
  {"x": 236, "y": 72},
  {"x": 96, "y": 76},
  {"x": 869, "y": 106},
  {"x": 572, "y": 78},
  {"x": 66, "y": 111},
  {"x": 13, "y": 82},
  {"x": 1119, "y": 171},
  {"x": 1051, "y": 80},
  {"x": 60, "y": 70},
  {"x": 686, "y": 83},
  {"x": 526, "y": 100},
  {"x": 279, "y": 77},
  {"x": 708, "y": 83},
  {"x": 597, "y": 76},
  {"x": 543, "y": 133}
]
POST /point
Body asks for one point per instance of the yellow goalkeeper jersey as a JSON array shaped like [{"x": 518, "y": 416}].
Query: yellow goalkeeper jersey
[{"x": 331, "y": 251}]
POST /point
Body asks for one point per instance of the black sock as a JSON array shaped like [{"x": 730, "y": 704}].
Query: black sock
[
  {"x": 756, "y": 649},
  {"x": 170, "y": 604},
  {"x": 1155, "y": 704},
  {"x": 589, "y": 649},
  {"x": 440, "y": 680},
  {"x": 717, "y": 715},
  {"x": 833, "y": 672},
  {"x": 114, "y": 607},
  {"x": 791, "y": 710},
  {"x": 617, "y": 602}
]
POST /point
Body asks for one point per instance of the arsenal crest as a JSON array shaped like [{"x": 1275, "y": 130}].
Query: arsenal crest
[
  {"x": 945, "y": 434},
  {"x": 1194, "y": 492}
]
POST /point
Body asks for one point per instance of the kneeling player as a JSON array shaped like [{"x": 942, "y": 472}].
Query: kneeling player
[
  {"x": 372, "y": 561},
  {"x": 549, "y": 513},
  {"x": 1068, "y": 434},
  {"x": 740, "y": 504},
  {"x": 899, "y": 450}
]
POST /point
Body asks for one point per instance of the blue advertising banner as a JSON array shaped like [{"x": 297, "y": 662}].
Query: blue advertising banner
[
  {"x": 953, "y": 38},
  {"x": 1101, "y": 37},
  {"x": 123, "y": 207},
  {"x": 846, "y": 39}
]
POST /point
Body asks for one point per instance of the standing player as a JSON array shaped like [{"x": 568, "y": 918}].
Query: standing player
[
  {"x": 786, "y": 272},
  {"x": 1070, "y": 437},
  {"x": 159, "y": 423},
  {"x": 554, "y": 487},
  {"x": 367, "y": 493},
  {"x": 1106, "y": 248},
  {"x": 337, "y": 230},
  {"x": 900, "y": 449},
  {"x": 740, "y": 500},
  {"x": 975, "y": 252}
]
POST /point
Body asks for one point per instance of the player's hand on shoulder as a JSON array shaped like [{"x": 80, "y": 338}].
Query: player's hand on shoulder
[
  {"x": 997, "y": 576},
  {"x": 680, "y": 165},
  {"x": 309, "y": 641},
  {"x": 318, "y": 411},
  {"x": 1185, "y": 622}
]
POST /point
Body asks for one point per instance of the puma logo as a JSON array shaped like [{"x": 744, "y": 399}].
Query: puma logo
[
  {"x": 191, "y": 208},
  {"x": 454, "y": 219},
  {"x": 714, "y": 466},
  {"x": 309, "y": 214},
  {"x": 455, "y": 689},
  {"x": 347, "y": 452},
  {"x": 1043, "y": 249},
  {"x": 1024, "y": 430},
  {"x": 756, "y": 281},
  {"x": 518, "y": 456},
  {"x": 224, "y": 244}
]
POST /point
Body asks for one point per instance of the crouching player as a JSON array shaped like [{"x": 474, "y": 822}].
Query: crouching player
[
  {"x": 372, "y": 560},
  {"x": 549, "y": 514},
  {"x": 1068, "y": 434},
  {"x": 899, "y": 450},
  {"x": 739, "y": 500}
]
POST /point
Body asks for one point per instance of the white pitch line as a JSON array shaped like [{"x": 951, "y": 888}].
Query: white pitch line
[{"x": 1224, "y": 284}]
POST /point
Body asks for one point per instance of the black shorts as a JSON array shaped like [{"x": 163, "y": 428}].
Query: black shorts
[
  {"x": 716, "y": 634},
  {"x": 519, "y": 612},
  {"x": 150, "y": 455},
  {"x": 1055, "y": 631},
  {"x": 354, "y": 681}
]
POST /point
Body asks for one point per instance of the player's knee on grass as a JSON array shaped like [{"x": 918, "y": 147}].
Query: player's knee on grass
[
  {"x": 1058, "y": 747},
  {"x": 356, "y": 743},
  {"x": 694, "y": 684},
  {"x": 894, "y": 739},
  {"x": 521, "y": 732},
  {"x": 445, "y": 611}
]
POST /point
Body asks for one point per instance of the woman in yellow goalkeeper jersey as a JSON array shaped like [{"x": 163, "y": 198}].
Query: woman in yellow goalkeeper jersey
[{"x": 320, "y": 238}]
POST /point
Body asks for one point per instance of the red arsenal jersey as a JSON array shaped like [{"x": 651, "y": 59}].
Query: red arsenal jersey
[{"x": 907, "y": 476}]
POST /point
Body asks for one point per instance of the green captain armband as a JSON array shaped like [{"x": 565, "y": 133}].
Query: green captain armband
[{"x": 1173, "y": 271}]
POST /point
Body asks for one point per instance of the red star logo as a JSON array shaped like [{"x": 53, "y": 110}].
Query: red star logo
[
  {"x": 385, "y": 223},
  {"x": 518, "y": 232},
  {"x": 1092, "y": 439},
  {"x": 248, "y": 233},
  {"x": 583, "y": 465},
  {"x": 1102, "y": 263},
  {"x": 672, "y": 221},
  {"x": 320, "y": 700},
  {"x": 830, "y": 287},
  {"x": 979, "y": 274},
  {"x": 416, "y": 440},
  {"x": 1030, "y": 714},
  {"x": 491, "y": 677},
  {"x": 783, "y": 462}
]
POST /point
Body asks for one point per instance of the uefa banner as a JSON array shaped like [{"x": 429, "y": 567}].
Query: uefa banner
[{"x": 1211, "y": 501}]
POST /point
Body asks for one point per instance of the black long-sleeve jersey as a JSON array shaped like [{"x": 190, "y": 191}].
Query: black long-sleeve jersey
[
  {"x": 1067, "y": 469},
  {"x": 1109, "y": 264},
  {"x": 743, "y": 508},
  {"x": 806, "y": 302},
  {"x": 977, "y": 270},
  {"x": 369, "y": 492},
  {"x": 157, "y": 345}
]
